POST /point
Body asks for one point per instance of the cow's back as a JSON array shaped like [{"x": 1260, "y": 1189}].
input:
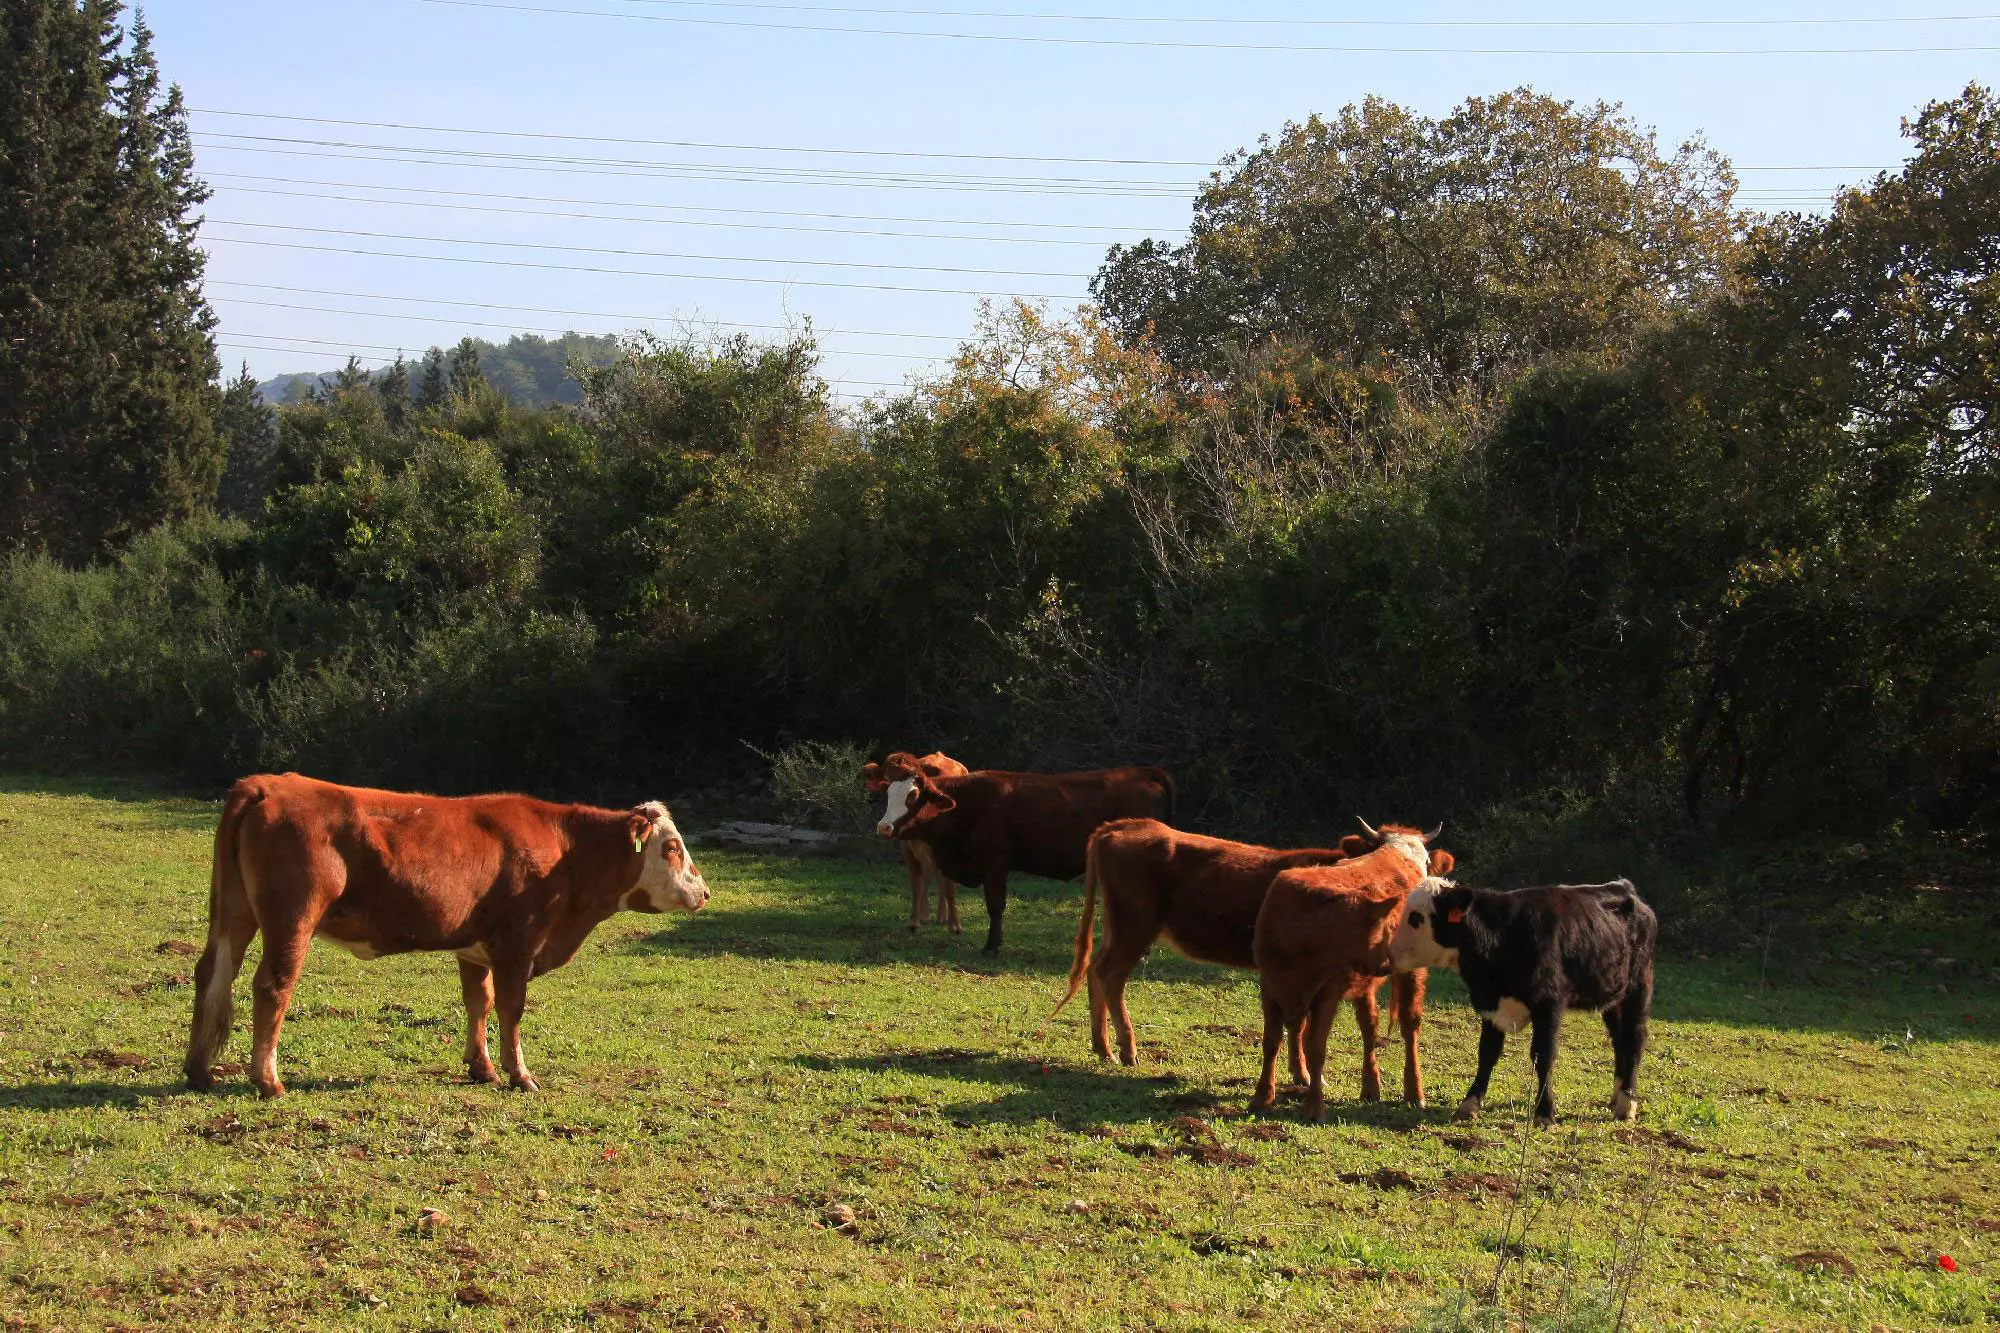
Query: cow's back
[
  {"x": 419, "y": 866},
  {"x": 1605, "y": 934}
]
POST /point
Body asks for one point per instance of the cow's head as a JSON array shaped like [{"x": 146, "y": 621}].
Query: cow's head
[
  {"x": 911, "y": 797},
  {"x": 1433, "y": 926},
  {"x": 1401, "y": 838},
  {"x": 668, "y": 879}
]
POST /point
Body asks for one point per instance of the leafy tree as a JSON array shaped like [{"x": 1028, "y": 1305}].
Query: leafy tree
[
  {"x": 1457, "y": 252},
  {"x": 107, "y": 406}
]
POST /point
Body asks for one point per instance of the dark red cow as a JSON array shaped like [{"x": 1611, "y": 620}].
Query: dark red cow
[
  {"x": 509, "y": 884},
  {"x": 987, "y": 825},
  {"x": 917, "y": 859}
]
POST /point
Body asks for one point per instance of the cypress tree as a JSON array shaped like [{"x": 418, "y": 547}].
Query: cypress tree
[
  {"x": 249, "y": 431},
  {"x": 465, "y": 375},
  {"x": 430, "y": 394},
  {"x": 393, "y": 387},
  {"x": 107, "y": 359}
]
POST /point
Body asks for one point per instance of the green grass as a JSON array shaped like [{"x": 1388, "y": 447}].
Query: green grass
[{"x": 715, "y": 1083}]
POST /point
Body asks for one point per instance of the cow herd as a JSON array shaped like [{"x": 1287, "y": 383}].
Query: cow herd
[{"x": 511, "y": 886}]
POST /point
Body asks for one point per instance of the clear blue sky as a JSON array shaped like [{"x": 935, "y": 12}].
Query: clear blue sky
[{"x": 759, "y": 77}]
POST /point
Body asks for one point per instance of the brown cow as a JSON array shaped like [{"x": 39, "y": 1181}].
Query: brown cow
[
  {"x": 989, "y": 824},
  {"x": 1202, "y": 893},
  {"x": 1323, "y": 936},
  {"x": 917, "y": 858},
  {"x": 509, "y": 884}
]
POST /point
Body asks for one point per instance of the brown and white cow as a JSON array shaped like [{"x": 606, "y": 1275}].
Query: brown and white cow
[
  {"x": 989, "y": 824},
  {"x": 1202, "y": 893},
  {"x": 917, "y": 859},
  {"x": 1322, "y": 936},
  {"x": 509, "y": 884}
]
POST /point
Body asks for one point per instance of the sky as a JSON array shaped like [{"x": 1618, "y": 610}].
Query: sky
[{"x": 713, "y": 166}]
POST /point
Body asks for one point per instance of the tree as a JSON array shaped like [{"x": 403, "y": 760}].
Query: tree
[
  {"x": 249, "y": 431},
  {"x": 107, "y": 363},
  {"x": 393, "y": 385},
  {"x": 1456, "y": 252},
  {"x": 431, "y": 392},
  {"x": 465, "y": 376}
]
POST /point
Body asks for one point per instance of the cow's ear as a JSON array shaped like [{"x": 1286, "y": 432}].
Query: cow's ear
[
  {"x": 1355, "y": 845},
  {"x": 935, "y": 802},
  {"x": 638, "y": 826},
  {"x": 872, "y": 775},
  {"x": 1442, "y": 863}
]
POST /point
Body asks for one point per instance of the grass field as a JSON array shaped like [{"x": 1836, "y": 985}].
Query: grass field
[{"x": 722, "y": 1090}]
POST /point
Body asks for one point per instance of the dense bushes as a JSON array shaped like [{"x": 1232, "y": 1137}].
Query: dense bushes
[{"x": 1734, "y": 568}]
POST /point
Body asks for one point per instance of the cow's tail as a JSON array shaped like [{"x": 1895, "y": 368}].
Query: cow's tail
[
  {"x": 231, "y": 923},
  {"x": 1080, "y": 962},
  {"x": 1173, "y": 797}
]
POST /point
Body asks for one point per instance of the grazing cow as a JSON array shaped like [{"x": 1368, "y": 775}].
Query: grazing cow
[
  {"x": 917, "y": 858},
  {"x": 1202, "y": 893},
  {"x": 509, "y": 884},
  {"x": 1528, "y": 955},
  {"x": 988, "y": 824},
  {"x": 1322, "y": 936}
]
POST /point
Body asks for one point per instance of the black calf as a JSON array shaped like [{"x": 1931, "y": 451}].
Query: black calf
[{"x": 1528, "y": 955}]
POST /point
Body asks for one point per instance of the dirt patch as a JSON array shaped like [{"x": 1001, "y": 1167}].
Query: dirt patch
[
  {"x": 1665, "y": 1138},
  {"x": 1382, "y": 1178},
  {"x": 1822, "y": 1261},
  {"x": 1474, "y": 1184}
]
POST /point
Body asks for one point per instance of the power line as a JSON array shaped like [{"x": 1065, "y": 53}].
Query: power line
[
  {"x": 1290, "y": 47},
  {"x": 645, "y": 254},
  {"x": 459, "y": 321},
  {"x": 719, "y": 147},
  {"x": 1252, "y": 21},
  {"x": 581, "y": 314},
  {"x": 567, "y": 167},
  {"x": 639, "y": 273},
  {"x": 699, "y": 208},
  {"x": 808, "y": 175},
  {"x": 669, "y": 222}
]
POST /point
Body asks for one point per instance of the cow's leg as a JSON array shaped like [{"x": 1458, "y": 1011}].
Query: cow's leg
[
  {"x": 285, "y": 945},
  {"x": 475, "y": 982},
  {"x": 214, "y": 994},
  {"x": 1548, "y": 1029},
  {"x": 1109, "y": 971},
  {"x": 1626, "y": 1021},
  {"x": 1492, "y": 1041},
  {"x": 1319, "y": 1024},
  {"x": 996, "y": 908},
  {"x": 918, "y": 867},
  {"x": 1299, "y": 1050},
  {"x": 1409, "y": 994},
  {"x": 1274, "y": 1036},
  {"x": 1367, "y": 1016},
  {"x": 948, "y": 902},
  {"x": 510, "y": 995}
]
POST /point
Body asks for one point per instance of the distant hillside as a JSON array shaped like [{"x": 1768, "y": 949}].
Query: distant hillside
[{"x": 530, "y": 370}]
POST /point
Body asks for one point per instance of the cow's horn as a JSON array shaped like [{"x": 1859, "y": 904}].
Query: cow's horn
[
  {"x": 1373, "y": 836},
  {"x": 1432, "y": 836}
]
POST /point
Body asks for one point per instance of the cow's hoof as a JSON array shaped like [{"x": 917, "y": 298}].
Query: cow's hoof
[
  {"x": 523, "y": 1083},
  {"x": 955, "y": 929},
  {"x": 1624, "y": 1106},
  {"x": 475, "y": 1074},
  {"x": 200, "y": 1080},
  {"x": 1468, "y": 1109},
  {"x": 1545, "y": 1122},
  {"x": 1316, "y": 1113},
  {"x": 916, "y": 926},
  {"x": 991, "y": 951},
  {"x": 274, "y": 1089},
  {"x": 1369, "y": 1094},
  {"x": 1416, "y": 1101},
  {"x": 1261, "y": 1103}
]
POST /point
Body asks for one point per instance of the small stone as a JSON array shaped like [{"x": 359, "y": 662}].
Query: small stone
[
  {"x": 840, "y": 1217},
  {"x": 1076, "y": 1206},
  {"x": 430, "y": 1219},
  {"x": 540, "y": 1196}
]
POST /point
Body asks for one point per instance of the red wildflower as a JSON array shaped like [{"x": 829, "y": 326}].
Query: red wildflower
[
  {"x": 1947, "y": 1263},
  {"x": 610, "y": 1153}
]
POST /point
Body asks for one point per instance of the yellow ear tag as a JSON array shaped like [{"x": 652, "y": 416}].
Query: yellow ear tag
[{"x": 639, "y": 844}]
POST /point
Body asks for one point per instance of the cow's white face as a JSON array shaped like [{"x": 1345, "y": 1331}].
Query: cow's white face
[
  {"x": 904, "y": 796},
  {"x": 668, "y": 881},
  {"x": 1414, "y": 944},
  {"x": 1410, "y": 845}
]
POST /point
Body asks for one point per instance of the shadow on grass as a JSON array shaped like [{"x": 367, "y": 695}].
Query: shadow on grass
[
  {"x": 1081, "y": 1098},
  {"x": 70, "y": 1096}
]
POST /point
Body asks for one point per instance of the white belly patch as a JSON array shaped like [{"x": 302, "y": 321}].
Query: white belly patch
[
  {"x": 359, "y": 948},
  {"x": 1510, "y": 1017}
]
